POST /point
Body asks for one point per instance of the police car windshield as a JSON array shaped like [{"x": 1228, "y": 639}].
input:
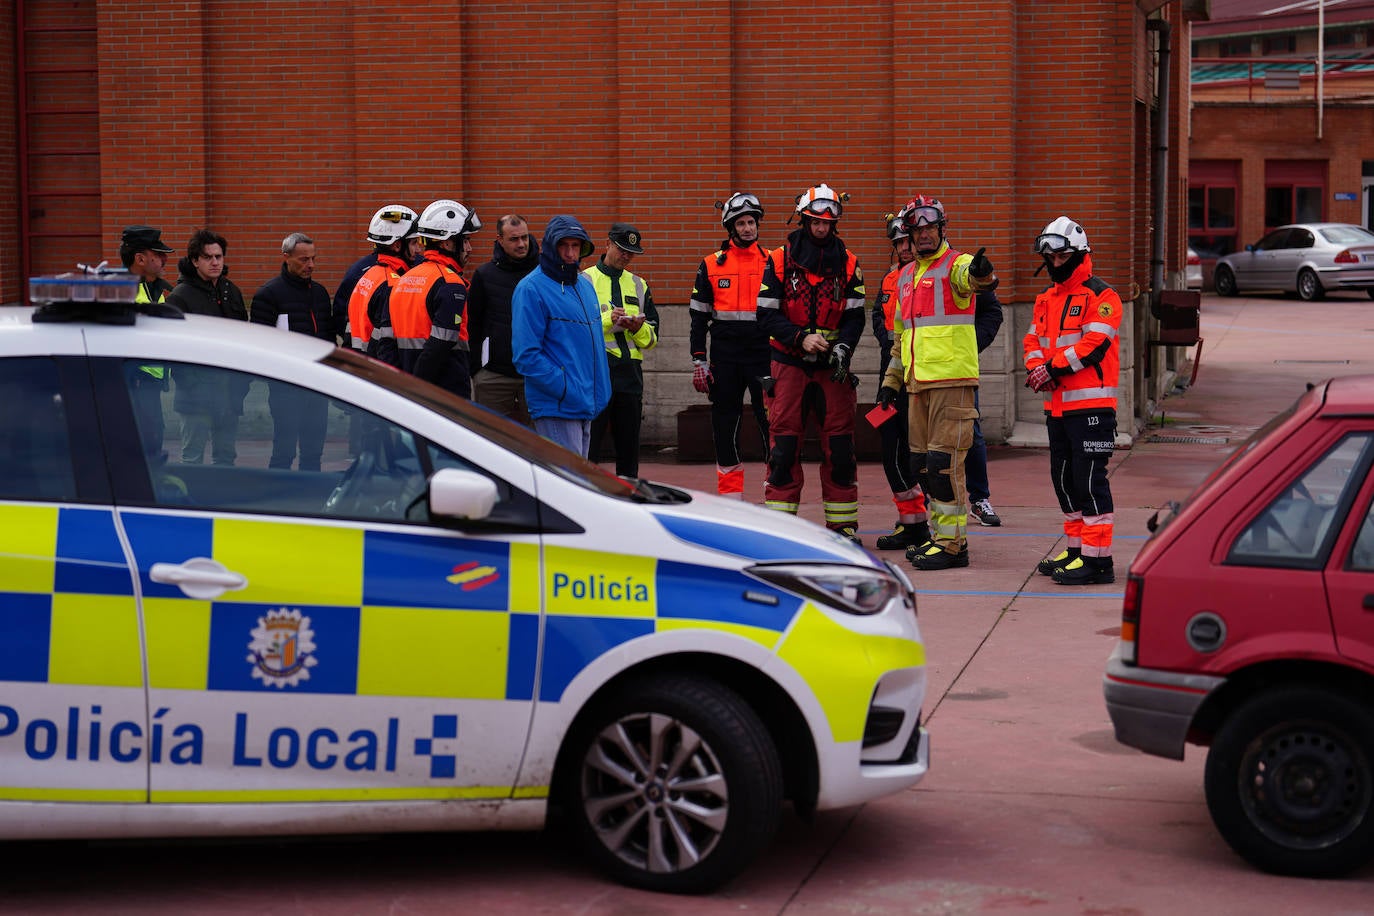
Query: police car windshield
[{"x": 488, "y": 424}]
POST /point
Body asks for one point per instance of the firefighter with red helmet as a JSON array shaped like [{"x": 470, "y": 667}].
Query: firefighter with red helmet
[
  {"x": 1073, "y": 359},
  {"x": 935, "y": 354},
  {"x": 724, "y": 305},
  {"x": 812, "y": 307}
]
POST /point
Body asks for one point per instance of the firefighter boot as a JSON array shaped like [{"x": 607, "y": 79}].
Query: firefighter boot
[
  {"x": 932, "y": 556},
  {"x": 1047, "y": 566},
  {"x": 848, "y": 531},
  {"x": 1086, "y": 571},
  {"x": 905, "y": 534}
]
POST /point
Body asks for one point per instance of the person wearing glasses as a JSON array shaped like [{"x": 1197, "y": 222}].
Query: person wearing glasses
[
  {"x": 723, "y": 304},
  {"x": 935, "y": 354},
  {"x": 811, "y": 305},
  {"x": 1073, "y": 359},
  {"x": 210, "y": 402}
]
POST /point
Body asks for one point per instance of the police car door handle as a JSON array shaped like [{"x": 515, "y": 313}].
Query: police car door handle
[{"x": 198, "y": 577}]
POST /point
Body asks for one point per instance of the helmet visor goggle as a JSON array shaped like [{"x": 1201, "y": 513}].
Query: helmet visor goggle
[
  {"x": 1051, "y": 242},
  {"x": 824, "y": 208},
  {"x": 924, "y": 216},
  {"x": 743, "y": 202}
]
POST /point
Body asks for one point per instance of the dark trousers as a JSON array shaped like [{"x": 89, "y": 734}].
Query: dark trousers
[
  {"x": 623, "y": 415},
  {"x": 896, "y": 453},
  {"x": 729, "y": 382},
  {"x": 976, "y": 463},
  {"x": 298, "y": 418},
  {"x": 146, "y": 394},
  {"x": 1080, "y": 445}
]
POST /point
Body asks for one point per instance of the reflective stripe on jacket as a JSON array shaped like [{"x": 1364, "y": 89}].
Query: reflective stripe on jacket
[
  {"x": 387, "y": 271},
  {"x": 1074, "y": 329},
  {"x": 633, "y": 294},
  {"x": 936, "y": 340},
  {"x": 811, "y": 302},
  {"x": 410, "y": 315}
]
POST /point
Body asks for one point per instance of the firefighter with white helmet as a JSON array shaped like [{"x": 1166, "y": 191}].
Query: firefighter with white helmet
[
  {"x": 1072, "y": 357},
  {"x": 388, "y": 231},
  {"x": 812, "y": 307},
  {"x": 723, "y": 306},
  {"x": 429, "y": 303},
  {"x": 935, "y": 355}
]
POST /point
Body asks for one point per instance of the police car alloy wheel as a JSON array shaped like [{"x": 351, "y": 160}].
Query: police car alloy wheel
[
  {"x": 1290, "y": 782},
  {"x": 678, "y": 784}
]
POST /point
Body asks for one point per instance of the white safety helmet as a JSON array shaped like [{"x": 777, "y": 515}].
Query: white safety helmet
[
  {"x": 821, "y": 202},
  {"x": 445, "y": 219},
  {"x": 1062, "y": 234},
  {"x": 391, "y": 224},
  {"x": 737, "y": 205}
]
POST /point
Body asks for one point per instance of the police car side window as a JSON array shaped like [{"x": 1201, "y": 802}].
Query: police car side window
[
  {"x": 35, "y": 453},
  {"x": 223, "y": 440}
]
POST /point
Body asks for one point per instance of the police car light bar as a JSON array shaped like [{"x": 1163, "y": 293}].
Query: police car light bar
[{"x": 103, "y": 296}]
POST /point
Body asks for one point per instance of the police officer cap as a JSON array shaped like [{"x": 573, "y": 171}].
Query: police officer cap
[
  {"x": 627, "y": 237},
  {"x": 145, "y": 238}
]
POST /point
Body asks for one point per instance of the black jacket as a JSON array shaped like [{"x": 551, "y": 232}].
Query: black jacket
[
  {"x": 305, "y": 304},
  {"x": 489, "y": 310},
  {"x": 207, "y": 391},
  {"x": 198, "y": 297}
]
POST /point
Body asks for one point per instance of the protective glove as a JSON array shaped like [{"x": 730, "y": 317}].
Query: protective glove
[
  {"x": 1039, "y": 378},
  {"x": 887, "y": 397},
  {"x": 701, "y": 376},
  {"x": 839, "y": 362},
  {"x": 981, "y": 266}
]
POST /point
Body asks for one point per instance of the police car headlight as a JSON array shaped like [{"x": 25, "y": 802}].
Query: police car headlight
[{"x": 856, "y": 589}]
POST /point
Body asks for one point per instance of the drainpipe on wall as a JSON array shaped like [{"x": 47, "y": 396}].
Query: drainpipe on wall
[{"x": 1160, "y": 185}]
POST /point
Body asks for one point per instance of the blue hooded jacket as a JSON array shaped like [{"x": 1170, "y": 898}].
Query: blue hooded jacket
[{"x": 556, "y": 333}]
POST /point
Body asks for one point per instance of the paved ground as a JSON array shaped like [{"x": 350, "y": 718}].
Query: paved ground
[{"x": 1031, "y": 805}]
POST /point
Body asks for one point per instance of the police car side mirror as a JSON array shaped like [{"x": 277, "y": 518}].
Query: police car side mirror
[{"x": 455, "y": 493}]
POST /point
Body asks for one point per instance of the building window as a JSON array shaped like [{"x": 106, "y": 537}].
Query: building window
[
  {"x": 1280, "y": 44},
  {"x": 1345, "y": 38},
  {"x": 1233, "y": 47},
  {"x": 1294, "y": 192},
  {"x": 1212, "y": 207}
]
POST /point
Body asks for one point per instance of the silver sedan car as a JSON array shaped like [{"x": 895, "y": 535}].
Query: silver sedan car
[{"x": 1306, "y": 258}]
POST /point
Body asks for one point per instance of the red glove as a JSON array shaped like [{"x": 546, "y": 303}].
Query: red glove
[
  {"x": 1038, "y": 379},
  {"x": 701, "y": 376}
]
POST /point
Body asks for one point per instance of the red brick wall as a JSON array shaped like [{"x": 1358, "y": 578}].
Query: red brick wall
[
  {"x": 260, "y": 118},
  {"x": 153, "y": 116},
  {"x": 11, "y": 265}
]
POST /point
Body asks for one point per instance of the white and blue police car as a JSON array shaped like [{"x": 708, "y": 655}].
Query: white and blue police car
[{"x": 252, "y": 584}]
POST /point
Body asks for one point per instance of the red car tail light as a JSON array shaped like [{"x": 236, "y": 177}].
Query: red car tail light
[
  {"x": 1347, "y": 257},
  {"x": 1130, "y": 618},
  {"x": 1193, "y": 259}
]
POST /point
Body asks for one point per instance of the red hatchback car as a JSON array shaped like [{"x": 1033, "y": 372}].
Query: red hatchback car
[{"x": 1248, "y": 627}]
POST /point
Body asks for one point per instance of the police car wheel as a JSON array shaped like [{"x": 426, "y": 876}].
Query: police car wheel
[
  {"x": 1290, "y": 782},
  {"x": 678, "y": 787}
]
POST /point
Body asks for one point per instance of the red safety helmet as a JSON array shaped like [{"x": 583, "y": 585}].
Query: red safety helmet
[{"x": 922, "y": 210}]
